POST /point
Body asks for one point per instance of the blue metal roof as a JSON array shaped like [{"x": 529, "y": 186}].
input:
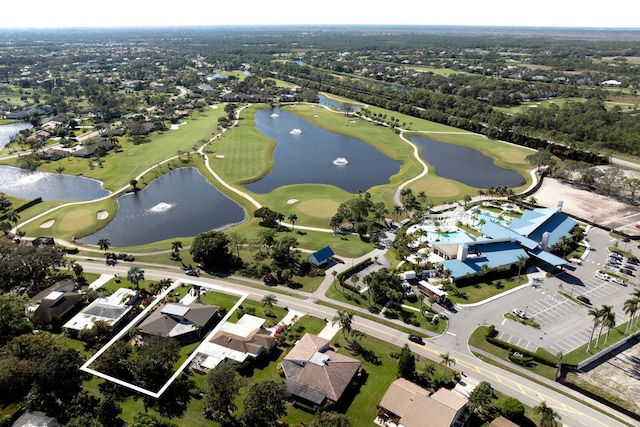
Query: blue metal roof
[
  {"x": 321, "y": 256},
  {"x": 548, "y": 257},
  {"x": 497, "y": 231},
  {"x": 494, "y": 254}
]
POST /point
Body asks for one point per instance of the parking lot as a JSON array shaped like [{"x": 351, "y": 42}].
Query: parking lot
[{"x": 564, "y": 324}]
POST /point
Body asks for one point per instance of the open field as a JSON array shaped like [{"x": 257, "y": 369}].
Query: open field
[{"x": 600, "y": 209}]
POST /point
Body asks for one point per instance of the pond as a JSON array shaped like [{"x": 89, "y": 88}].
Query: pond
[
  {"x": 27, "y": 184},
  {"x": 180, "y": 203},
  {"x": 466, "y": 165},
  {"x": 307, "y": 154},
  {"x": 335, "y": 104},
  {"x": 9, "y": 131}
]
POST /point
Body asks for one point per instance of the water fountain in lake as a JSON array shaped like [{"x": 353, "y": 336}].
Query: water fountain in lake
[
  {"x": 274, "y": 115},
  {"x": 160, "y": 207},
  {"x": 340, "y": 161},
  {"x": 295, "y": 132}
]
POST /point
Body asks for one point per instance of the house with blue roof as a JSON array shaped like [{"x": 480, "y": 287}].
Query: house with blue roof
[
  {"x": 321, "y": 257},
  {"x": 531, "y": 236}
]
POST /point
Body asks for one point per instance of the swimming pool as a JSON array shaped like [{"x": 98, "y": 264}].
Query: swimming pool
[{"x": 491, "y": 218}]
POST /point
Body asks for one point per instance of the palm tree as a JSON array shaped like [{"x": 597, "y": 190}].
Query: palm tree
[
  {"x": 344, "y": 320},
  {"x": 176, "y": 245},
  {"x": 354, "y": 279},
  {"x": 292, "y": 219},
  {"x": 446, "y": 362},
  {"x": 104, "y": 244},
  {"x": 605, "y": 313},
  {"x": 609, "y": 322},
  {"x": 397, "y": 210},
  {"x": 196, "y": 291},
  {"x": 135, "y": 275},
  {"x": 630, "y": 307},
  {"x": 269, "y": 300},
  {"x": 522, "y": 261},
  {"x": 13, "y": 217},
  {"x": 597, "y": 315},
  {"x": 547, "y": 415},
  {"x": 428, "y": 369}
]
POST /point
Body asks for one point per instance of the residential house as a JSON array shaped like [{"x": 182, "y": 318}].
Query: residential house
[
  {"x": 247, "y": 339},
  {"x": 113, "y": 310},
  {"x": 57, "y": 301},
  {"x": 186, "y": 323},
  {"x": 503, "y": 422},
  {"x": 314, "y": 373},
  {"x": 413, "y": 405},
  {"x": 35, "y": 419},
  {"x": 97, "y": 144}
]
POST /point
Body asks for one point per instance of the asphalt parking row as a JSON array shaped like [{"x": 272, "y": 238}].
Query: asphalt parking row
[{"x": 550, "y": 308}]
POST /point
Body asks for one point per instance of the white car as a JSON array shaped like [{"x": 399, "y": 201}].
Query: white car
[
  {"x": 521, "y": 314},
  {"x": 618, "y": 281},
  {"x": 602, "y": 276}
]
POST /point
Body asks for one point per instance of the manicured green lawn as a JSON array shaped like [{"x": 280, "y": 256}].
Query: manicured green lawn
[
  {"x": 483, "y": 290},
  {"x": 477, "y": 340}
]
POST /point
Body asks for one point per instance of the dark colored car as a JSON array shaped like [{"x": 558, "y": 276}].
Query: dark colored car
[
  {"x": 583, "y": 299},
  {"x": 191, "y": 272},
  {"x": 416, "y": 339}
]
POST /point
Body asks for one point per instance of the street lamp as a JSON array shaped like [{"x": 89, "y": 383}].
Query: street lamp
[{"x": 525, "y": 311}]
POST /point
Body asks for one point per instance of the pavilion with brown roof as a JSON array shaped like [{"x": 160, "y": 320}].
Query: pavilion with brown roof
[{"x": 315, "y": 373}]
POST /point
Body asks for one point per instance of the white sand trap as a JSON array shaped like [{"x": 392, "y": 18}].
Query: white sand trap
[
  {"x": 177, "y": 126},
  {"x": 220, "y": 156},
  {"x": 48, "y": 224},
  {"x": 101, "y": 215},
  {"x": 316, "y": 116},
  {"x": 292, "y": 201},
  {"x": 215, "y": 107}
]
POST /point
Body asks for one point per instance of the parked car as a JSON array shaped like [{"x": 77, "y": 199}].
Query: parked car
[
  {"x": 619, "y": 281},
  {"x": 191, "y": 272},
  {"x": 521, "y": 314},
  {"x": 602, "y": 276},
  {"x": 632, "y": 261},
  {"x": 625, "y": 271},
  {"x": 278, "y": 331},
  {"x": 577, "y": 261},
  {"x": 615, "y": 255},
  {"x": 630, "y": 266},
  {"x": 416, "y": 339}
]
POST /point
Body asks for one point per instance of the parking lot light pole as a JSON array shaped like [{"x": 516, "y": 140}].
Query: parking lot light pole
[{"x": 525, "y": 311}]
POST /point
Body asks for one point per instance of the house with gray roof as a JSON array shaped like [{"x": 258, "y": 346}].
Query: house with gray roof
[
  {"x": 112, "y": 309},
  {"x": 186, "y": 323}
]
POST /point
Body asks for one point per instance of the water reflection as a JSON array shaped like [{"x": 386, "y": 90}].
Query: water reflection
[
  {"x": 27, "y": 184},
  {"x": 308, "y": 157},
  {"x": 178, "y": 204},
  {"x": 9, "y": 131}
]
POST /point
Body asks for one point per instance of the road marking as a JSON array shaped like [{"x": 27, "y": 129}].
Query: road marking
[
  {"x": 450, "y": 333},
  {"x": 504, "y": 321}
]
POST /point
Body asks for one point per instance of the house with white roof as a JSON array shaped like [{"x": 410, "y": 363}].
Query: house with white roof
[
  {"x": 247, "y": 339},
  {"x": 112, "y": 309}
]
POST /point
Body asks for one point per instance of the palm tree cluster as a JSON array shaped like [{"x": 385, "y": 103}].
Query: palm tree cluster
[{"x": 604, "y": 316}]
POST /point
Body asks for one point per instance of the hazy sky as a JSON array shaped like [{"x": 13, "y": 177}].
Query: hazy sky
[{"x": 109, "y": 13}]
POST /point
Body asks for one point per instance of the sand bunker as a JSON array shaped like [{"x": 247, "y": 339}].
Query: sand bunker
[
  {"x": 220, "y": 156},
  {"x": 102, "y": 215},
  {"x": 48, "y": 224},
  {"x": 215, "y": 107},
  {"x": 292, "y": 201}
]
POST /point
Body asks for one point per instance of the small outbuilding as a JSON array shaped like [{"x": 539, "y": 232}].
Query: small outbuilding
[{"x": 321, "y": 257}]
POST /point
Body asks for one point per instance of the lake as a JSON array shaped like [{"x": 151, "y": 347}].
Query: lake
[
  {"x": 27, "y": 184},
  {"x": 305, "y": 154},
  {"x": 180, "y": 203},
  {"x": 9, "y": 131},
  {"x": 466, "y": 165}
]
